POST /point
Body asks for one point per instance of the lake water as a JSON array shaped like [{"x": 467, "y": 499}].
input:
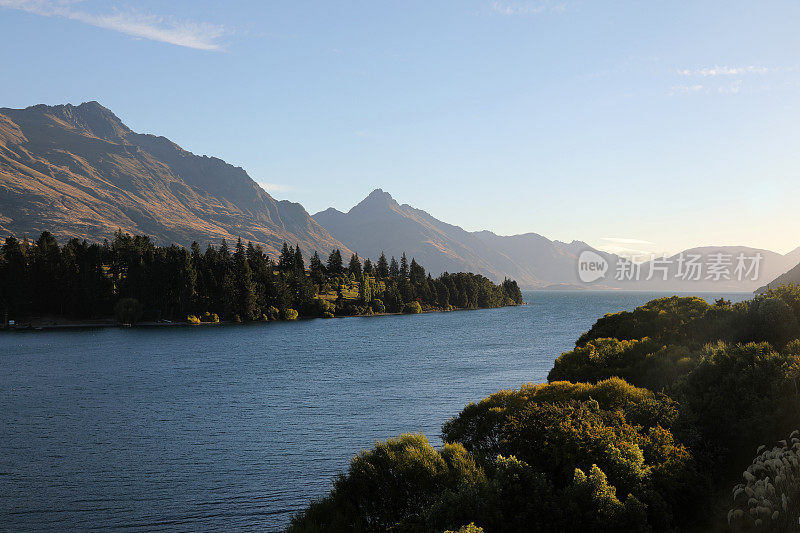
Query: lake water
[{"x": 237, "y": 427}]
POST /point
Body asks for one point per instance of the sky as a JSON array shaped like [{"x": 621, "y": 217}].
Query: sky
[{"x": 651, "y": 126}]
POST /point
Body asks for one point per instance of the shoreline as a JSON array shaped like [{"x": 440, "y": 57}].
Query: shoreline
[{"x": 53, "y": 324}]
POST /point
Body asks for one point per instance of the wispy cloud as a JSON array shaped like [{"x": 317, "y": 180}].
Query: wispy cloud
[
  {"x": 527, "y": 8},
  {"x": 706, "y": 72},
  {"x": 200, "y": 36},
  {"x": 635, "y": 249}
]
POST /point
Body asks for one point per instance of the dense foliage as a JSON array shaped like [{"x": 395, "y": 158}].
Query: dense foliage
[
  {"x": 645, "y": 426},
  {"x": 133, "y": 278}
]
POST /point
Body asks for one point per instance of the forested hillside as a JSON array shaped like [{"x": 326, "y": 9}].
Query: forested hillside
[{"x": 137, "y": 280}]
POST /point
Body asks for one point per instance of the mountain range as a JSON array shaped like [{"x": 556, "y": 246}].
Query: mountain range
[
  {"x": 78, "y": 171},
  {"x": 379, "y": 223}
]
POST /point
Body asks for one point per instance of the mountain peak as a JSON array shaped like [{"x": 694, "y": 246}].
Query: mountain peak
[
  {"x": 377, "y": 198},
  {"x": 379, "y": 194},
  {"x": 91, "y": 117}
]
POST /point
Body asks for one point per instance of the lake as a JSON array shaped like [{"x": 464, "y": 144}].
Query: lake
[{"x": 237, "y": 427}]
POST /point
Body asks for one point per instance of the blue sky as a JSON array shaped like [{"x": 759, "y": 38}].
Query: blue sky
[{"x": 657, "y": 125}]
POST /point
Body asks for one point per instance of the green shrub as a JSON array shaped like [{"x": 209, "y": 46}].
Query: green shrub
[
  {"x": 737, "y": 397},
  {"x": 394, "y": 482},
  {"x": 327, "y": 315},
  {"x": 191, "y": 319},
  {"x": 644, "y": 363},
  {"x": 412, "y": 308},
  {"x": 377, "y": 306},
  {"x": 324, "y": 306},
  {"x": 558, "y": 427},
  {"x": 289, "y": 314}
]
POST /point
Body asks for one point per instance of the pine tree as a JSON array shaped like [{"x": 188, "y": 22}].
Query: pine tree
[
  {"x": 394, "y": 270},
  {"x": 14, "y": 280},
  {"x": 354, "y": 267},
  {"x": 403, "y": 266},
  {"x": 368, "y": 269},
  {"x": 365, "y": 290},
  {"x": 316, "y": 269},
  {"x": 45, "y": 272},
  {"x": 416, "y": 272},
  {"x": 335, "y": 263},
  {"x": 240, "y": 290},
  {"x": 382, "y": 268},
  {"x": 299, "y": 264},
  {"x": 286, "y": 259}
]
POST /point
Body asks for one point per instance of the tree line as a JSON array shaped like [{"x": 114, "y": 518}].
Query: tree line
[{"x": 132, "y": 277}]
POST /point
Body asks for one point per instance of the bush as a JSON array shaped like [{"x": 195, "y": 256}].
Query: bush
[
  {"x": 412, "y": 308},
  {"x": 289, "y": 314},
  {"x": 738, "y": 397},
  {"x": 394, "y": 482},
  {"x": 644, "y": 363},
  {"x": 191, "y": 319},
  {"x": 327, "y": 315},
  {"x": 558, "y": 427},
  {"x": 664, "y": 320},
  {"x": 273, "y": 313},
  {"x": 324, "y": 306},
  {"x": 377, "y": 306}
]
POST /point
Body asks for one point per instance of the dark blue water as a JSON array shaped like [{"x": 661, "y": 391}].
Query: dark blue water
[{"x": 237, "y": 427}]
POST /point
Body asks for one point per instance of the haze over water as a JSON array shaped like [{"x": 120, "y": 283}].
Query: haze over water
[{"x": 236, "y": 427}]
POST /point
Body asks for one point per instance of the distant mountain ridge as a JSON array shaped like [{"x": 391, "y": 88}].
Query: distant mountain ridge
[
  {"x": 380, "y": 224},
  {"x": 78, "y": 171}
]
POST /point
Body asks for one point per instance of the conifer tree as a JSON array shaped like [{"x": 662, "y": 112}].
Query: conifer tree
[
  {"x": 354, "y": 267},
  {"x": 316, "y": 269},
  {"x": 335, "y": 264},
  {"x": 416, "y": 272},
  {"x": 286, "y": 261},
  {"x": 382, "y": 268},
  {"x": 299, "y": 264}
]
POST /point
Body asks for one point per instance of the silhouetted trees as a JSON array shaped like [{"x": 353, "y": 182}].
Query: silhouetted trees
[{"x": 82, "y": 280}]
